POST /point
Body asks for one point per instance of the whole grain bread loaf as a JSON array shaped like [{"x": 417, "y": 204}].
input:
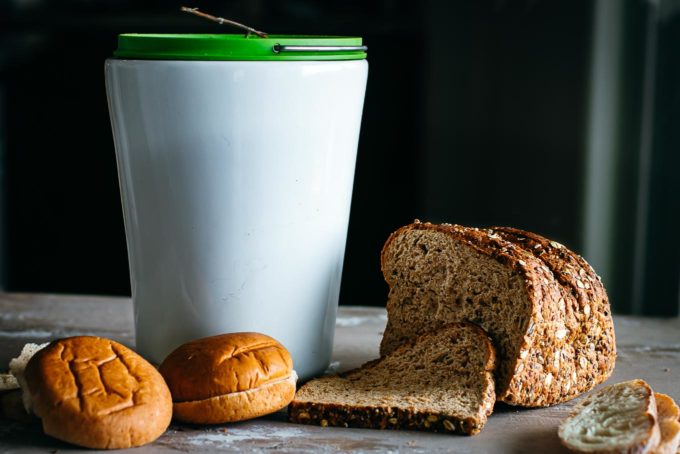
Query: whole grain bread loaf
[
  {"x": 441, "y": 382},
  {"x": 546, "y": 310}
]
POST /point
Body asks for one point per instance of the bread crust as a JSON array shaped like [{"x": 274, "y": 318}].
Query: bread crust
[
  {"x": 546, "y": 366},
  {"x": 585, "y": 290},
  {"x": 229, "y": 377},
  {"x": 97, "y": 393},
  {"x": 669, "y": 424},
  {"x": 224, "y": 364},
  {"x": 391, "y": 417},
  {"x": 368, "y": 417},
  {"x": 237, "y": 406}
]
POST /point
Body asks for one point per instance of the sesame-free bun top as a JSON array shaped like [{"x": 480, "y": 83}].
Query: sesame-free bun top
[
  {"x": 228, "y": 378},
  {"x": 97, "y": 393},
  {"x": 225, "y": 364}
]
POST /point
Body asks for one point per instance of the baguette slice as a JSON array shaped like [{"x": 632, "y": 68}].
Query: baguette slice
[
  {"x": 669, "y": 424},
  {"x": 620, "y": 418},
  {"x": 441, "y": 382},
  {"x": 551, "y": 345}
]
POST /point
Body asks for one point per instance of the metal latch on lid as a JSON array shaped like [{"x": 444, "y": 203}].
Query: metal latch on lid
[{"x": 278, "y": 48}]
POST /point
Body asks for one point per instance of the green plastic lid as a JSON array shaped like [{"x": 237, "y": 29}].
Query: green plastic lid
[{"x": 238, "y": 47}]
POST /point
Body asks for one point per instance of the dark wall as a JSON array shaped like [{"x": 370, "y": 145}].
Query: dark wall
[
  {"x": 474, "y": 114},
  {"x": 488, "y": 130}
]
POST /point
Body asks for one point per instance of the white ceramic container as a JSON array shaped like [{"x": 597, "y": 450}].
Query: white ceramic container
[{"x": 236, "y": 181}]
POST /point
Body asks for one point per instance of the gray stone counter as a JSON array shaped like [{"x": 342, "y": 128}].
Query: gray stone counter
[{"x": 648, "y": 349}]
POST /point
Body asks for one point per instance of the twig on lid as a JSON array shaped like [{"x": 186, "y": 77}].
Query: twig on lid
[{"x": 222, "y": 20}]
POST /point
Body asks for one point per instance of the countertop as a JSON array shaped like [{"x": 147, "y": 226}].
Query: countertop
[{"x": 647, "y": 348}]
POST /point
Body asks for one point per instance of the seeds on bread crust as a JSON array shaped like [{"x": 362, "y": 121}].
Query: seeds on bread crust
[{"x": 594, "y": 341}]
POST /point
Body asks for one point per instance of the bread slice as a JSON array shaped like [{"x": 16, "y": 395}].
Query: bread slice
[
  {"x": 8, "y": 382},
  {"x": 549, "y": 349},
  {"x": 585, "y": 296},
  {"x": 669, "y": 424},
  {"x": 17, "y": 368},
  {"x": 620, "y": 418},
  {"x": 441, "y": 382}
]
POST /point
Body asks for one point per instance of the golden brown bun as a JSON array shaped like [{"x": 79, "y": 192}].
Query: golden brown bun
[
  {"x": 237, "y": 406},
  {"x": 97, "y": 393},
  {"x": 230, "y": 377}
]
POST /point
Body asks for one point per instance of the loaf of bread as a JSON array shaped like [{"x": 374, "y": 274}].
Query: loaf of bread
[
  {"x": 229, "y": 377},
  {"x": 442, "y": 382},
  {"x": 544, "y": 307},
  {"x": 97, "y": 393},
  {"x": 620, "y": 418}
]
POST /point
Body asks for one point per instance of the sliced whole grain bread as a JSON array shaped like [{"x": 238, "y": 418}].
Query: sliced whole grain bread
[
  {"x": 439, "y": 274},
  {"x": 441, "y": 382},
  {"x": 585, "y": 298},
  {"x": 620, "y": 418},
  {"x": 669, "y": 424}
]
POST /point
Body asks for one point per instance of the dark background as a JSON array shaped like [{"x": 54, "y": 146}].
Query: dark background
[{"x": 477, "y": 112}]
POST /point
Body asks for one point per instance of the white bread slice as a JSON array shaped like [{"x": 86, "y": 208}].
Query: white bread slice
[
  {"x": 8, "y": 382},
  {"x": 669, "y": 424},
  {"x": 440, "y": 382},
  {"x": 17, "y": 367},
  {"x": 620, "y": 418}
]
